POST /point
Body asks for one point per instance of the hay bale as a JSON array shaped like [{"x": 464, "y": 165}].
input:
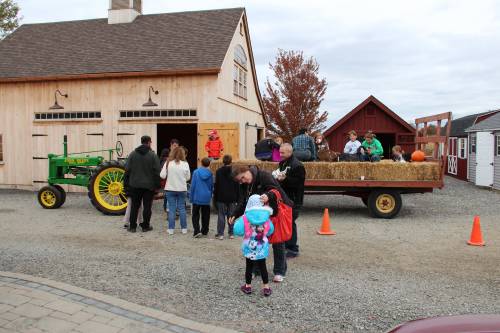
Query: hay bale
[{"x": 387, "y": 171}]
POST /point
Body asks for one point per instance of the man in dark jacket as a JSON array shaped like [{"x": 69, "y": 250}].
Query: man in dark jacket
[
  {"x": 142, "y": 178},
  {"x": 291, "y": 177},
  {"x": 225, "y": 195}
]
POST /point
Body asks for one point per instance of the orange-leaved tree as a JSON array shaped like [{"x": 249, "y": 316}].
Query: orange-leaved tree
[{"x": 292, "y": 101}]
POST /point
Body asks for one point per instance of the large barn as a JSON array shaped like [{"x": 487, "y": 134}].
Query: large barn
[
  {"x": 373, "y": 115},
  {"x": 200, "y": 63}
]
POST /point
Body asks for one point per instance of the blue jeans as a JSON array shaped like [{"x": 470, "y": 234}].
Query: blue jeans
[
  {"x": 176, "y": 202},
  {"x": 370, "y": 158}
]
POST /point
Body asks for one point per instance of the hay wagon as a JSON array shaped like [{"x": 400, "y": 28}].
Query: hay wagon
[{"x": 381, "y": 185}]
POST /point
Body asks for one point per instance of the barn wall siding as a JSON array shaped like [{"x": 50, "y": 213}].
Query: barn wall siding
[{"x": 496, "y": 170}]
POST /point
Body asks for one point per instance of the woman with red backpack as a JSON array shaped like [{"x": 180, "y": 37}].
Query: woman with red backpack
[{"x": 255, "y": 181}]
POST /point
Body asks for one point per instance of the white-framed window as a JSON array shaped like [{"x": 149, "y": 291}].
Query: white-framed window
[
  {"x": 240, "y": 72},
  {"x": 1, "y": 148},
  {"x": 462, "y": 148},
  {"x": 472, "y": 144},
  {"x": 497, "y": 144}
]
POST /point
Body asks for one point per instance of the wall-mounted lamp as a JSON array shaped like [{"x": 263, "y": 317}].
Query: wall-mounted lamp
[
  {"x": 56, "y": 105},
  {"x": 150, "y": 101}
]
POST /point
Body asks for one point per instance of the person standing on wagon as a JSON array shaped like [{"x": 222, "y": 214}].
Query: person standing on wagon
[
  {"x": 292, "y": 177},
  {"x": 214, "y": 145}
]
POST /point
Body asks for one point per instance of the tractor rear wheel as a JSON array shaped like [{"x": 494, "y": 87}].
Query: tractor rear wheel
[
  {"x": 49, "y": 197},
  {"x": 106, "y": 191}
]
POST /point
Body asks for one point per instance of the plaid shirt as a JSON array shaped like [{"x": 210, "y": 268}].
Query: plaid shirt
[{"x": 304, "y": 142}]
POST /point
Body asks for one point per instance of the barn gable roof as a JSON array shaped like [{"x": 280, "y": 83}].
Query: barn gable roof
[
  {"x": 460, "y": 125},
  {"x": 382, "y": 106},
  {"x": 185, "y": 42},
  {"x": 490, "y": 124}
]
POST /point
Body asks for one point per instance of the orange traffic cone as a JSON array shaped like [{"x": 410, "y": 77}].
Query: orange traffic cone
[
  {"x": 476, "y": 238},
  {"x": 325, "y": 226}
]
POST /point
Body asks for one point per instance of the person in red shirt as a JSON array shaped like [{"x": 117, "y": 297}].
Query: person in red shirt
[{"x": 214, "y": 145}]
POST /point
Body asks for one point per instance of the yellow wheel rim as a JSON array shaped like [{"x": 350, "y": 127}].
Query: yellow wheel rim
[
  {"x": 108, "y": 189},
  {"x": 386, "y": 203},
  {"x": 48, "y": 198}
]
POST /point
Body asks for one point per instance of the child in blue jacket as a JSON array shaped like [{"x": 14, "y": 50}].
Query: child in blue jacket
[
  {"x": 255, "y": 226},
  {"x": 200, "y": 194}
]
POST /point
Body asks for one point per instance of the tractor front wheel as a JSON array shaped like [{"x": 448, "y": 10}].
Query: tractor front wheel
[
  {"x": 49, "y": 197},
  {"x": 106, "y": 191}
]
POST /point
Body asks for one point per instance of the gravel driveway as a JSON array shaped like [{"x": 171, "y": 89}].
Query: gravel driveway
[{"x": 372, "y": 275}]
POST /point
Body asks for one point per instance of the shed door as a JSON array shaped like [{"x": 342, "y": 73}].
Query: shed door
[
  {"x": 229, "y": 134},
  {"x": 452, "y": 156},
  {"x": 484, "y": 159}
]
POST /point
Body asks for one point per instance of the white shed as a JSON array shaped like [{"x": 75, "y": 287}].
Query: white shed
[{"x": 484, "y": 152}]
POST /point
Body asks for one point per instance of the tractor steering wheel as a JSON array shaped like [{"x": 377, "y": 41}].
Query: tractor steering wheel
[{"x": 119, "y": 148}]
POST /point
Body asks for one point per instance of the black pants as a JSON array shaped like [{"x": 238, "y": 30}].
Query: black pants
[
  {"x": 145, "y": 196},
  {"x": 261, "y": 264},
  {"x": 280, "y": 266},
  {"x": 205, "y": 219},
  {"x": 291, "y": 245}
]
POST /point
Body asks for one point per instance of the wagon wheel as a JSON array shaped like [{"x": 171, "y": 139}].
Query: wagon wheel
[
  {"x": 384, "y": 203},
  {"x": 106, "y": 191},
  {"x": 49, "y": 197}
]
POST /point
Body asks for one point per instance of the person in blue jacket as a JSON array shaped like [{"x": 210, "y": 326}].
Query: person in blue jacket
[{"x": 200, "y": 194}]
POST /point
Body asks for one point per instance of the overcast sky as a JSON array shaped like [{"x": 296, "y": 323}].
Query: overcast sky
[{"x": 418, "y": 57}]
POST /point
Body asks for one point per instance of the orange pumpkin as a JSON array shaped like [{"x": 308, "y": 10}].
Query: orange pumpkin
[{"x": 418, "y": 156}]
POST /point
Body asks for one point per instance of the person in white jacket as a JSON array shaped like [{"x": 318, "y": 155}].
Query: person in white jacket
[
  {"x": 351, "y": 149},
  {"x": 177, "y": 173}
]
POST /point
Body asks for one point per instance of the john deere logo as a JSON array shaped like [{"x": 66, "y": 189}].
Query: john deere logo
[{"x": 76, "y": 160}]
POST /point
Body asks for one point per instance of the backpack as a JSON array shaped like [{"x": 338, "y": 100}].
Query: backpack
[
  {"x": 264, "y": 150},
  {"x": 282, "y": 222}
]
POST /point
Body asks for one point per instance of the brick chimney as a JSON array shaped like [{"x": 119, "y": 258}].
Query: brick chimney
[{"x": 124, "y": 11}]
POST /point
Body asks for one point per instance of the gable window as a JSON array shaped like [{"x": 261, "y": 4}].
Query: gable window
[
  {"x": 462, "y": 150},
  {"x": 240, "y": 72},
  {"x": 497, "y": 145},
  {"x": 472, "y": 145},
  {"x": 1, "y": 148}
]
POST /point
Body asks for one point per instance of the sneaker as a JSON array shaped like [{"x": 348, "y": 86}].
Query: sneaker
[
  {"x": 198, "y": 235},
  {"x": 170, "y": 231},
  {"x": 220, "y": 237},
  {"x": 131, "y": 230},
  {"x": 266, "y": 292},
  {"x": 184, "y": 231},
  {"x": 291, "y": 254},
  {"x": 278, "y": 278},
  {"x": 231, "y": 237},
  {"x": 246, "y": 290}
]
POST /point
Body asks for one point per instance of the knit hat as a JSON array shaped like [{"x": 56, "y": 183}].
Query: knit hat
[
  {"x": 254, "y": 203},
  {"x": 213, "y": 132}
]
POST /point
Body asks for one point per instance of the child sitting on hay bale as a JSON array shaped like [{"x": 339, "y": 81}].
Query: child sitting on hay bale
[
  {"x": 351, "y": 149},
  {"x": 372, "y": 148},
  {"x": 398, "y": 154}
]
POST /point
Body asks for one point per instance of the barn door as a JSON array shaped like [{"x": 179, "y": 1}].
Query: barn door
[
  {"x": 484, "y": 159},
  {"x": 452, "y": 156},
  {"x": 46, "y": 139},
  {"x": 229, "y": 134}
]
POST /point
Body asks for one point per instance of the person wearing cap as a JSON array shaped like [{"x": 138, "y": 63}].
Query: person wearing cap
[
  {"x": 255, "y": 226},
  {"x": 214, "y": 145}
]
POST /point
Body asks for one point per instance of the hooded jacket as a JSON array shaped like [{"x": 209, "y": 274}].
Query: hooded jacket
[
  {"x": 202, "y": 186},
  {"x": 293, "y": 184},
  {"x": 142, "y": 169},
  {"x": 226, "y": 189},
  {"x": 214, "y": 146},
  {"x": 255, "y": 226}
]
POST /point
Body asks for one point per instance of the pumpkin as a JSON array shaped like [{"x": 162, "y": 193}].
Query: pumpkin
[{"x": 418, "y": 156}]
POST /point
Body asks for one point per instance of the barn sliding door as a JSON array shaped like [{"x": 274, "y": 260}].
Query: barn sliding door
[{"x": 229, "y": 134}]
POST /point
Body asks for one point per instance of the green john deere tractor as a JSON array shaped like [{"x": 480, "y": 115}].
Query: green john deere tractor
[{"x": 104, "y": 179}]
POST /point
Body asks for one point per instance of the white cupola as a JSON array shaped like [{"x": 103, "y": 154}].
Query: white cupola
[{"x": 124, "y": 11}]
